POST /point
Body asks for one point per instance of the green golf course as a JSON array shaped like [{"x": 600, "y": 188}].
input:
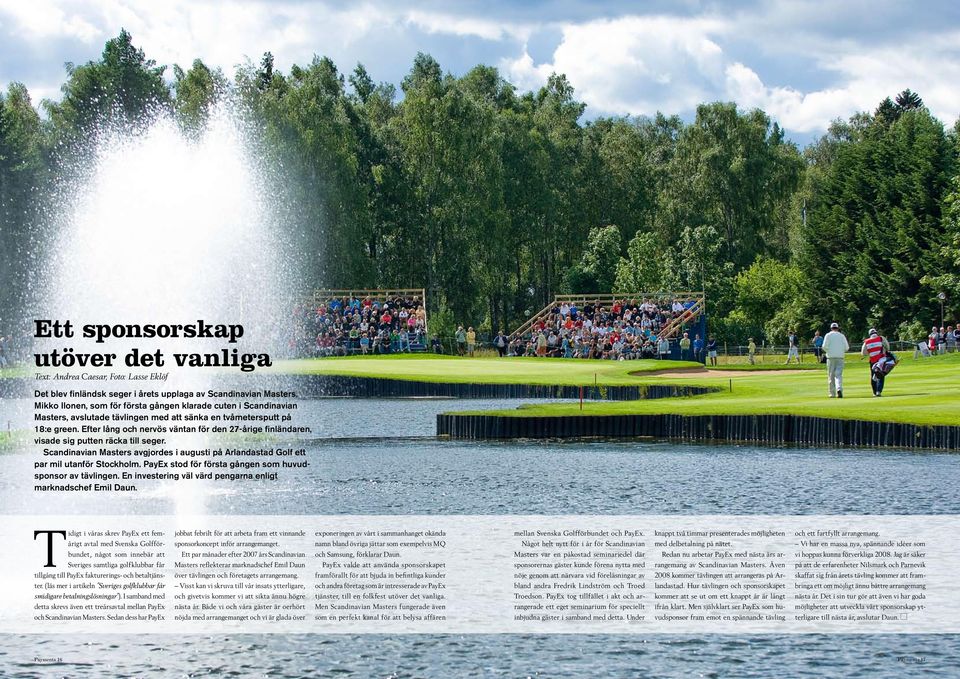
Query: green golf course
[
  {"x": 438, "y": 368},
  {"x": 922, "y": 391}
]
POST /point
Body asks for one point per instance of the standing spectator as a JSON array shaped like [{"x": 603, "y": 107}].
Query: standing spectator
[
  {"x": 541, "y": 343},
  {"x": 835, "y": 346},
  {"x": 685, "y": 347},
  {"x": 663, "y": 348},
  {"x": 950, "y": 339},
  {"x": 751, "y": 351},
  {"x": 500, "y": 342},
  {"x": 793, "y": 351},
  {"x": 941, "y": 341},
  {"x": 932, "y": 340},
  {"x": 818, "y": 346},
  {"x": 698, "y": 349},
  {"x": 875, "y": 347},
  {"x": 461, "y": 338},
  {"x": 712, "y": 349},
  {"x": 471, "y": 341}
]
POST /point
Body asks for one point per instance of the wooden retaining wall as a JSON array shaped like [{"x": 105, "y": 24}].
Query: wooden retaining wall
[{"x": 761, "y": 429}]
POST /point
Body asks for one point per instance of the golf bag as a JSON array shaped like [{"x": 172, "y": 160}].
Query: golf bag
[{"x": 885, "y": 365}]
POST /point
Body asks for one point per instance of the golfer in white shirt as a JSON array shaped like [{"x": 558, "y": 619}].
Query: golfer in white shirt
[{"x": 835, "y": 346}]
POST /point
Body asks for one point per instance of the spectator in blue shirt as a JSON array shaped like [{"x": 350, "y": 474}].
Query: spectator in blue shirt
[
  {"x": 698, "y": 349},
  {"x": 818, "y": 346}
]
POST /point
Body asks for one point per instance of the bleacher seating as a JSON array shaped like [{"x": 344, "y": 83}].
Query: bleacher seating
[
  {"x": 361, "y": 321},
  {"x": 617, "y": 326}
]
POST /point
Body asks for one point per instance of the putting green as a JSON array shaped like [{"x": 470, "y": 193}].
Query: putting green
[{"x": 923, "y": 391}]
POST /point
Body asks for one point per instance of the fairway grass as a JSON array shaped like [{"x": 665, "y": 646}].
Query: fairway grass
[
  {"x": 437, "y": 368},
  {"x": 919, "y": 391},
  {"x": 924, "y": 391}
]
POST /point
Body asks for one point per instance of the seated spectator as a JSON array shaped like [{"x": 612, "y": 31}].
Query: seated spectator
[
  {"x": 367, "y": 325},
  {"x": 623, "y": 329}
]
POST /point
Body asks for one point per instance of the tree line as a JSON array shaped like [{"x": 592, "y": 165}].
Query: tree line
[{"x": 495, "y": 199}]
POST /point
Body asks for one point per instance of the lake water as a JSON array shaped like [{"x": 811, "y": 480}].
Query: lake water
[{"x": 379, "y": 457}]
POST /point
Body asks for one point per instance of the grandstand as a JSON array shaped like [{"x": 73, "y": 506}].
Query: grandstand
[
  {"x": 639, "y": 318},
  {"x": 341, "y": 322}
]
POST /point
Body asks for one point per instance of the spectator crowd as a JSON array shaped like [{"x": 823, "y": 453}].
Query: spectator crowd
[
  {"x": 621, "y": 330},
  {"x": 941, "y": 340},
  {"x": 345, "y": 326}
]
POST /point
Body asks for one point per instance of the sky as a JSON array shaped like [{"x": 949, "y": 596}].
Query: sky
[{"x": 805, "y": 62}]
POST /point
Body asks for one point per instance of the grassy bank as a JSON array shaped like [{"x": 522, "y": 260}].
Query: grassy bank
[
  {"x": 923, "y": 391},
  {"x": 917, "y": 392}
]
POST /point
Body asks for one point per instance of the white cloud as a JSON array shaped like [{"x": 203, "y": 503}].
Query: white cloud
[
  {"x": 633, "y": 64},
  {"x": 488, "y": 29},
  {"x": 41, "y": 19},
  {"x": 793, "y": 109},
  {"x": 779, "y": 56},
  {"x": 177, "y": 31},
  {"x": 222, "y": 34},
  {"x": 640, "y": 65},
  {"x": 863, "y": 78}
]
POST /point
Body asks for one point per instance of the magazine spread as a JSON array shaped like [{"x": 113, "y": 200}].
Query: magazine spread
[{"x": 561, "y": 339}]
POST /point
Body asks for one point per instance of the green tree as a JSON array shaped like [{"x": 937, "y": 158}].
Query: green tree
[
  {"x": 769, "y": 300},
  {"x": 123, "y": 89},
  {"x": 642, "y": 269},
  {"x": 876, "y": 230},
  {"x": 907, "y": 101},
  {"x": 21, "y": 201},
  {"x": 311, "y": 121},
  {"x": 946, "y": 278},
  {"x": 562, "y": 231},
  {"x": 196, "y": 91},
  {"x": 736, "y": 173},
  {"x": 597, "y": 268},
  {"x": 451, "y": 154}
]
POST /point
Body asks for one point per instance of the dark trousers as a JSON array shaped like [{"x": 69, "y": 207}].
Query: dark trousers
[{"x": 876, "y": 381}]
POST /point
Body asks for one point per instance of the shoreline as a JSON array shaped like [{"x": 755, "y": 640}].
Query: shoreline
[{"x": 755, "y": 429}]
